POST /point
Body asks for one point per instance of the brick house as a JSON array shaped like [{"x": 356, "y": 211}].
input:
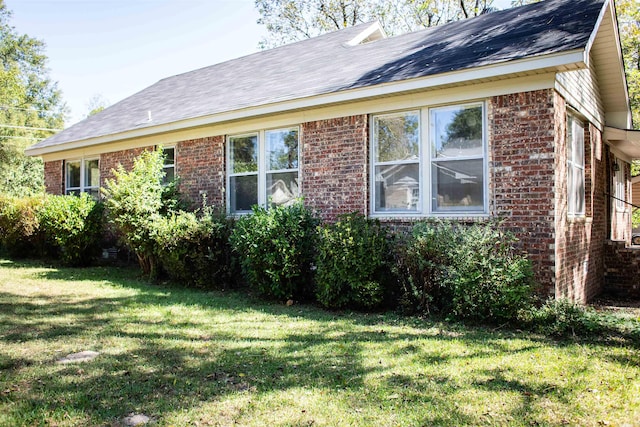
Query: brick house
[{"x": 522, "y": 114}]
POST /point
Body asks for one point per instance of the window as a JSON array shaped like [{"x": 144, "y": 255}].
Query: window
[
  {"x": 169, "y": 164},
  {"x": 575, "y": 166},
  {"x": 619, "y": 183},
  {"x": 83, "y": 176},
  {"x": 397, "y": 162},
  {"x": 263, "y": 169},
  {"x": 445, "y": 166}
]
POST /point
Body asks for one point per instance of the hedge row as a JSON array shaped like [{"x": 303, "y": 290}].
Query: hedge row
[
  {"x": 63, "y": 227},
  {"x": 282, "y": 253}
]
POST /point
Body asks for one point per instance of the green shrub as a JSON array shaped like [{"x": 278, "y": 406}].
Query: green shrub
[
  {"x": 134, "y": 201},
  {"x": 490, "y": 280},
  {"x": 353, "y": 263},
  {"x": 20, "y": 227},
  {"x": 73, "y": 227},
  {"x": 561, "y": 318},
  {"x": 424, "y": 266},
  {"x": 195, "y": 250},
  {"x": 276, "y": 248},
  {"x": 466, "y": 271}
]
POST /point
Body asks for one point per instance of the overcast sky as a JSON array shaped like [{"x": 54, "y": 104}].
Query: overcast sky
[{"x": 115, "y": 48}]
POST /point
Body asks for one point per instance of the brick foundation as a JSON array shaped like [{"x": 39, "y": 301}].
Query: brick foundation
[{"x": 334, "y": 165}]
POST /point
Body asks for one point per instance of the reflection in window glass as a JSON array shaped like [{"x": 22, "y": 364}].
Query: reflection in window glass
[
  {"x": 92, "y": 173},
  {"x": 458, "y": 185},
  {"x": 244, "y": 192},
  {"x": 440, "y": 171},
  {"x": 396, "y": 144},
  {"x": 169, "y": 166},
  {"x": 244, "y": 154},
  {"x": 397, "y": 187},
  {"x": 82, "y": 176},
  {"x": 456, "y": 132},
  {"x": 575, "y": 167},
  {"x": 282, "y": 149},
  {"x": 457, "y": 159},
  {"x": 73, "y": 175}
]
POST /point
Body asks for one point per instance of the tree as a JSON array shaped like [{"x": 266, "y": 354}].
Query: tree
[
  {"x": 629, "y": 24},
  {"x": 31, "y": 108},
  {"x": 96, "y": 104},
  {"x": 134, "y": 202},
  {"x": 292, "y": 20}
]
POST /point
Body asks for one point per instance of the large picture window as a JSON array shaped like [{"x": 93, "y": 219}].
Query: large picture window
[
  {"x": 575, "y": 166},
  {"x": 439, "y": 171},
  {"x": 82, "y": 176},
  {"x": 263, "y": 169}
]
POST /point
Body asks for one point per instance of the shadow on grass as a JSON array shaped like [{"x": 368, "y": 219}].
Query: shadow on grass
[{"x": 171, "y": 369}]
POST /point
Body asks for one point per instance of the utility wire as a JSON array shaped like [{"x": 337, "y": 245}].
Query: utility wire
[{"x": 29, "y": 128}]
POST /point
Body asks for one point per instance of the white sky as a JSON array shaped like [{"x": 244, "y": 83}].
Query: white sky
[{"x": 115, "y": 48}]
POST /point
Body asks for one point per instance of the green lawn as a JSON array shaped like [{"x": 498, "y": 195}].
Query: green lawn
[{"x": 188, "y": 357}]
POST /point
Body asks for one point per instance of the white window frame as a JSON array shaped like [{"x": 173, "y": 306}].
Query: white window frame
[
  {"x": 263, "y": 171},
  {"x": 426, "y": 166},
  {"x": 83, "y": 188},
  {"x": 575, "y": 165}
]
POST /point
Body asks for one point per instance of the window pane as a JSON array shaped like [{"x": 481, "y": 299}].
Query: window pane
[
  {"x": 91, "y": 173},
  {"x": 244, "y": 154},
  {"x": 571, "y": 194},
  {"x": 243, "y": 192},
  {"x": 397, "y": 188},
  {"x": 456, "y": 132},
  {"x": 458, "y": 185},
  {"x": 73, "y": 174},
  {"x": 169, "y": 156},
  {"x": 397, "y": 137},
  {"x": 282, "y": 188},
  {"x": 282, "y": 149},
  {"x": 169, "y": 174},
  {"x": 579, "y": 191}
]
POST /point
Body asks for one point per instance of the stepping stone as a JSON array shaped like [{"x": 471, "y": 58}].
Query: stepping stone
[
  {"x": 83, "y": 356},
  {"x": 135, "y": 420}
]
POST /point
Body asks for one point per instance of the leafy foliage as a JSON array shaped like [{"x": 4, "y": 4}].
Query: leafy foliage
[
  {"x": 134, "y": 200},
  {"x": 73, "y": 227},
  {"x": 194, "y": 249},
  {"x": 468, "y": 272},
  {"x": 31, "y": 108},
  {"x": 276, "y": 248},
  {"x": 291, "y": 20},
  {"x": 20, "y": 226},
  {"x": 424, "y": 263},
  {"x": 353, "y": 263}
]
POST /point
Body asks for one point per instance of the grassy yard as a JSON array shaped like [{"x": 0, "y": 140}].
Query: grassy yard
[{"x": 186, "y": 357}]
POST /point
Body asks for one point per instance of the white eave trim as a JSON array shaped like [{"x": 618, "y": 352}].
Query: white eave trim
[
  {"x": 625, "y": 141},
  {"x": 543, "y": 64}
]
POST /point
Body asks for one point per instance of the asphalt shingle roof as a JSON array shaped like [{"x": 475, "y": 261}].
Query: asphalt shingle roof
[{"x": 327, "y": 64}]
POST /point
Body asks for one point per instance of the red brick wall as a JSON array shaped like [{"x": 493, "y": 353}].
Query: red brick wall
[
  {"x": 54, "y": 177},
  {"x": 200, "y": 165},
  {"x": 580, "y": 241},
  {"x": 109, "y": 161},
  {"x": 334, "y": 165},
  {"x": 522, "y": 142}
]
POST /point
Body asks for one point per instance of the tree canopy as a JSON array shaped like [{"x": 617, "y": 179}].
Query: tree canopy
[
  {"x": 31, "y": 107},
  {"x": 291, "y": 20}
]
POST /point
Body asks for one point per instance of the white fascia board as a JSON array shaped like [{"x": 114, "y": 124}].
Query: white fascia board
[
  {"x": 624, "y": 142},
  {"x": 575, "y": 58}
]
